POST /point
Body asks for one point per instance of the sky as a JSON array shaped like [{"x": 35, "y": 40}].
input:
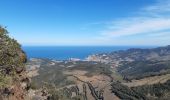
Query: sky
[{"x": 87, "y": 22}]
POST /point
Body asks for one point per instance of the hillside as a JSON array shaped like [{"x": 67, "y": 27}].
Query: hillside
[
  {"x": 71, "y": 80},
  {"x": 145, "y": 72},
  {"x": 137, "y": 63},
  {"x": 13, "y": 80}
]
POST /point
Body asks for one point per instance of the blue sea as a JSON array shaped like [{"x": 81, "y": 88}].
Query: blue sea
[{"x": 66, "y": 52}]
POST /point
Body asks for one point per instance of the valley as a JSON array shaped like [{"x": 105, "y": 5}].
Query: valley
[{"x": 93, "y": 78}]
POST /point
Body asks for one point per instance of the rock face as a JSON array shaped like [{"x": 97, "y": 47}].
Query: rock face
[{"x": 12, "y": 69}]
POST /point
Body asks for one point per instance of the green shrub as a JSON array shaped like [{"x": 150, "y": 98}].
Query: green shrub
[{"x": 5, "y": 81}]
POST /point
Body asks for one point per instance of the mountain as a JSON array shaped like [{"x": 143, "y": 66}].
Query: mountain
[
  {"x": 145, "y": 72},
  {"x": 138, "y": 63}
]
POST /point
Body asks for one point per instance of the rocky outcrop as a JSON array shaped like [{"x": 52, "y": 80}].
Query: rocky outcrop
[{"x": 13, "y": 79}]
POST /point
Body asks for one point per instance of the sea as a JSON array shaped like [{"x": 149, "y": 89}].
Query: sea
[{"x": 67, "y": 52}]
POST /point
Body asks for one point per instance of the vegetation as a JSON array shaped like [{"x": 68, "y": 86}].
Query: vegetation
[
  {"x": 92, "y": 68},
  {"x": 64, "y": 93},
  {"x": 11, "y": 55},
  {"x": 141, "y": 69},
  {"x": 51, "y": 75},
  {"x": 160, "y": 91},
  {"x": 126, "y": 93},
  {"x": 54, "y": 74},
  {"x": 5, "y": 81},
  {"x": 12, "y": 60},
  {"x": 59, "y": 76}
]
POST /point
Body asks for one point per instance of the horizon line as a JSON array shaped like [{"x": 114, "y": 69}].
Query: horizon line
[{"x": 90, "y": 45}]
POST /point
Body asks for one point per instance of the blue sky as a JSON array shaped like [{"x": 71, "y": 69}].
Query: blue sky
[{"x": 87, "y": 22}]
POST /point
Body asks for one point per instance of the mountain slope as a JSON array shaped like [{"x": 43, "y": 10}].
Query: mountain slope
[{"x": 13, "y": 80}]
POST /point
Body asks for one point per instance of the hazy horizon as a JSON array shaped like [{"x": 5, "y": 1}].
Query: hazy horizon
[{"x": 93, "y": 45}]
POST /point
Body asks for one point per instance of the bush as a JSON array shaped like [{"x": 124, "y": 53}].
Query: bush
[{"x": 5, "y": 81}]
